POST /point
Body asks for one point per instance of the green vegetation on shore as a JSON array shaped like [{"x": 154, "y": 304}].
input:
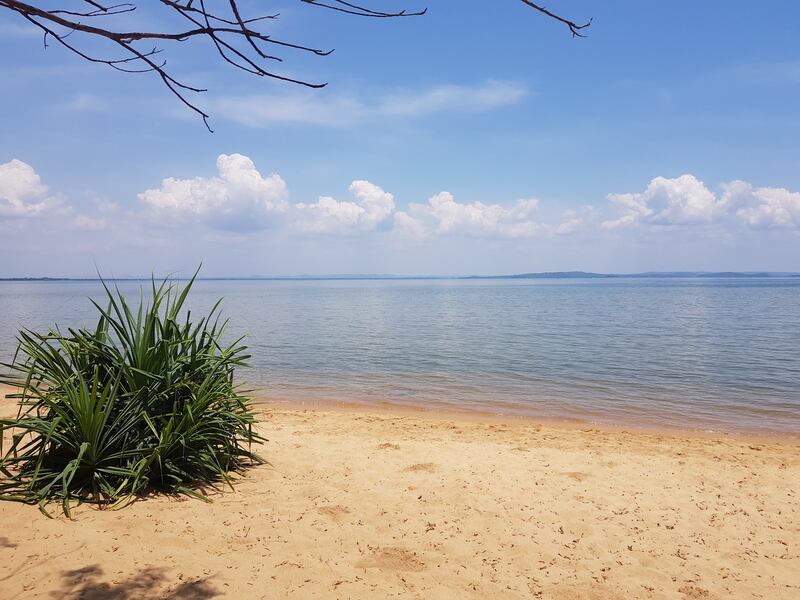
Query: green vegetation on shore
[{"x": 146, "y": 401}]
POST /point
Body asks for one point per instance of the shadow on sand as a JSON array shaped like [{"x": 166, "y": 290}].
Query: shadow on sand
[{"x": 88, "y": 583}]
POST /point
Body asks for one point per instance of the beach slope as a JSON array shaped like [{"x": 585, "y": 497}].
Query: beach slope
[{"x": 369, "y": 504}]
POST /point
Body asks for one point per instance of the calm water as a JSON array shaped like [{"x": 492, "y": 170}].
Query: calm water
[{"x": 720, "y": 354}]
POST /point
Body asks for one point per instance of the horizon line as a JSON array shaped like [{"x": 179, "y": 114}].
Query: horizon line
[{"x": 376, "y": 276}]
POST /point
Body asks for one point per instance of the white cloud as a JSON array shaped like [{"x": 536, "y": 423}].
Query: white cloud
[
  {"x": 572, "y": 222},
  {"x": 240, "y": 198},
  {"x": 298, "y": 107},
  {"x": 22, "y": 193},
  {"x": 485, "y": 96},
  {"x": 340, "y": 110},
  {"x": 105, "y": 215},
  {"x": 408, "y": 225},
  {"x": 443, "y": 215},
  {"x": 372, "y": 206},
  {"x": 684, "y": 200},
  {"x": 762, "y": 208}
]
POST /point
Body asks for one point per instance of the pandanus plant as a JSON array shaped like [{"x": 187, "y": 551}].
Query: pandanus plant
[{"x": 145, "y": 401}]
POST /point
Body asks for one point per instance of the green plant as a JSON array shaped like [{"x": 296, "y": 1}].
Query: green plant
[{"x": 146, "y": 401}]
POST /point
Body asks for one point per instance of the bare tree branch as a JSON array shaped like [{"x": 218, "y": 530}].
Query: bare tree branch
[
  {"x": 238, "y": 41},
  {"x": 574, "y": 27}
]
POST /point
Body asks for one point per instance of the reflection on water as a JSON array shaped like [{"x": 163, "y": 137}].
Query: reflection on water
[{"x": 711, "y": 353}]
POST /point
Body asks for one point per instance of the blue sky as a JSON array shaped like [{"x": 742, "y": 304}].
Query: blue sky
[{"x": 484, "y": 140}]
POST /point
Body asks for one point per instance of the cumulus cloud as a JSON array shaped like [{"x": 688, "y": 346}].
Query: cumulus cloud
[
  {"x": 443, "y": 215},
  {"x": 240, "y": 198},
  {"x": 762, "y": 208},
  {"x": 340, "y": 110},
  {"x": 22, "y": 193},
  {"x": 685, "y": 200},
  {"x": 371, "y": 207}
]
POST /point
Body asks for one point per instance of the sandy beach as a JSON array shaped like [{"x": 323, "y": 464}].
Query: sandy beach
[{"x": 379, "y": 504}]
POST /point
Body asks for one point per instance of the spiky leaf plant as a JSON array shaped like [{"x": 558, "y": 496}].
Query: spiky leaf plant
[{"x": 145, "y": 401}]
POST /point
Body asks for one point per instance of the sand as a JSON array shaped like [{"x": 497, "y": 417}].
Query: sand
[{"x": 375, "y": 504}]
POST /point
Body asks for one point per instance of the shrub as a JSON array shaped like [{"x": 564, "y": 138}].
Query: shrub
[{"x": 145, "y": 401}]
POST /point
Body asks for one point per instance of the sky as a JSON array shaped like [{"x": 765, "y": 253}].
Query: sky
[{"x": 481, "y": 138}]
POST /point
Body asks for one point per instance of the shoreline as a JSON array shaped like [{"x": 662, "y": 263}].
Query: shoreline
[
  {"x": 482, "y": 414},
  {"x": 470, "y": 415}
]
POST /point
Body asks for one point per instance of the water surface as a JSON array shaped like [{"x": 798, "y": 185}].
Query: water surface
[{"x": 721, "y": 354}]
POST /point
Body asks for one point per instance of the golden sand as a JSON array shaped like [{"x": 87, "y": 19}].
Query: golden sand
[{"x": 375, "y": 504}]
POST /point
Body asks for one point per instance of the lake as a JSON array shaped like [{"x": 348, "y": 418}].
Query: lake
[{"x": 715, "y": 354}]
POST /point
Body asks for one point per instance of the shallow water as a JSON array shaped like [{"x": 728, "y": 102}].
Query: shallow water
[{"x": 720, "y": 354}]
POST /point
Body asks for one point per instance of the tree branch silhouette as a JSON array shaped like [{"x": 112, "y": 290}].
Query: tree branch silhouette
[{"x": 239, "y": 41}]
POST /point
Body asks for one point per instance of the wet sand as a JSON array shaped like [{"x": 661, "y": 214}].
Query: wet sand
[{"x": 361, "y": 503}]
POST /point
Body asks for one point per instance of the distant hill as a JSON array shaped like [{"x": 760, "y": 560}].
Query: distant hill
[
  {"x": 548, "y": 275},
  {"x": 38, "y": 279},
  {"x": 648, "y": 274}
]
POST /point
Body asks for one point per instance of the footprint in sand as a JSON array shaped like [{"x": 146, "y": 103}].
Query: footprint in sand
[
  {"x": 334, "y": 511},
  {"x": 692, "y": 592},
  {"x": 426, "y": 467},
  {"x": 392, "y": 559}
]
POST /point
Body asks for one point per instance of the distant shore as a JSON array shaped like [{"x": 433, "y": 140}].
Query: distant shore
[
  {"x": 359, "y": 502},
  {"x": 378, "y": 277}
]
